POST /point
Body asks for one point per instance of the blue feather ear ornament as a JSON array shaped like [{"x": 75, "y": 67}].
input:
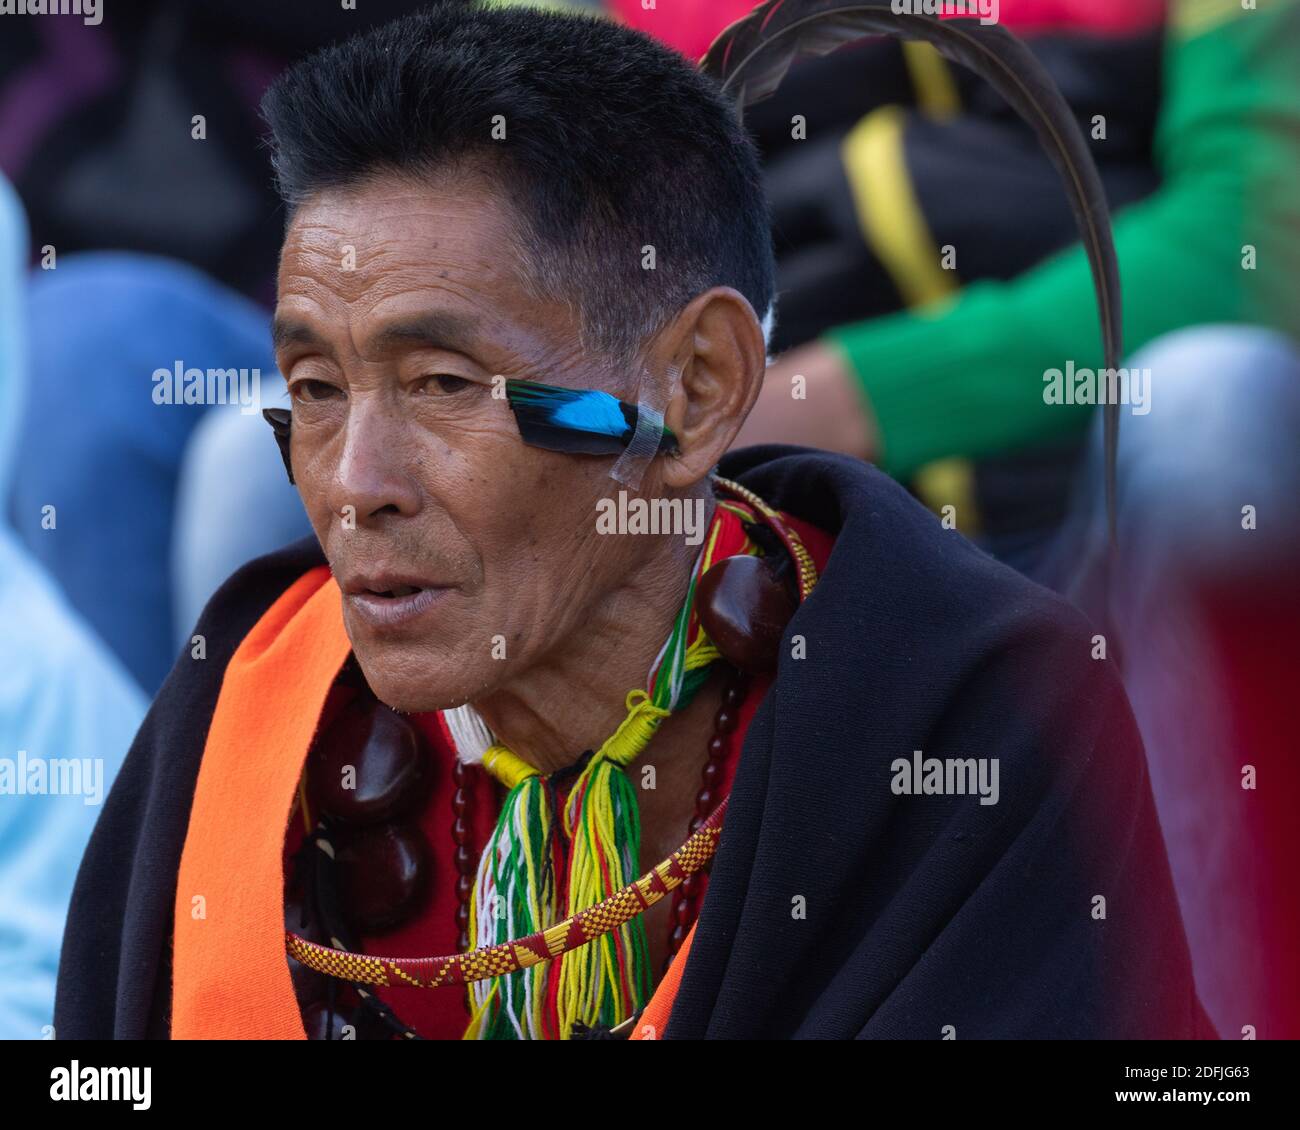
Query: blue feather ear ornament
[{"x": 577, "y": 421}]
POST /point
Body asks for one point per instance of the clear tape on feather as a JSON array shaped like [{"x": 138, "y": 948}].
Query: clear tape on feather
[{"x": 630, "y": 467}]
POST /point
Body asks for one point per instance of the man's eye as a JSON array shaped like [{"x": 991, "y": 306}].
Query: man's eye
[
  {"x": 308, "y": 391},
  {"x": 440, "y": 384}
]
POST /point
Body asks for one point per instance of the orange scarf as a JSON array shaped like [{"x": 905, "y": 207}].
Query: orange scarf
[{"x": 230, "y": 979}]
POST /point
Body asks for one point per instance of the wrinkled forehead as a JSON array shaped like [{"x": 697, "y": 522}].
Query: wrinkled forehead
[
  {"x": 394, "y": 260},
  {"x": 396, "y": 230}
]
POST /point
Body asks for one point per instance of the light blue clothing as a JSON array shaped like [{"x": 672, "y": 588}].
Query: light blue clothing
[{"x": 62, "y": 696}]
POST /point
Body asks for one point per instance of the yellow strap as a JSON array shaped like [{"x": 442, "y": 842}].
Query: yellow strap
[
  {"x": 936, "y": 89},
  {"x": 950, "y": 482},
  {"x": 891, "y": 219}
]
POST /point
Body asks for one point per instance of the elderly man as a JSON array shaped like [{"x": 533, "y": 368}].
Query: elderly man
[{"x": 492, "y": 757}]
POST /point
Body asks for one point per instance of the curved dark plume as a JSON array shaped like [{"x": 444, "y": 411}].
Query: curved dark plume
[{"x": 751, "y": 57}]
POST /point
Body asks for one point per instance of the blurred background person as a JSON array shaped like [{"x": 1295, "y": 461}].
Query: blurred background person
[{"x": 63, "y": 697}]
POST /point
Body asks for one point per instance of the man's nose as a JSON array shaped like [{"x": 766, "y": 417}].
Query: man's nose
[{"x": 373, "y": 478}]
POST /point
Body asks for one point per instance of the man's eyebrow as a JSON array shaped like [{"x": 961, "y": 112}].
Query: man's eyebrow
[
  {"x": 435, "y": 329},
  {"x": 439, "y": 329},
  {"x": 288, "y": 331}
]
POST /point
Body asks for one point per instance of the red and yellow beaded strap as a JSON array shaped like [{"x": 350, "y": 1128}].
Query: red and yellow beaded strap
[{"x": 509, "y": 957}]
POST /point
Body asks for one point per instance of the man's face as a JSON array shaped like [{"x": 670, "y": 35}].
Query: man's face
[{"x": 452, "y": 541}]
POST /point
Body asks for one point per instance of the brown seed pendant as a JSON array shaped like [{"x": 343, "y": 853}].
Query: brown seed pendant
[
  {"x": 368, "y": 766},
  {"x": 369, "y": 773},
  {"x": 744, "y": 609},
  {"x": 383, "y": 875}
]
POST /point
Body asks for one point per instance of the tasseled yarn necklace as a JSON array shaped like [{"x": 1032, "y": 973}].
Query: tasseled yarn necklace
[{"x": 567, "y": 842}]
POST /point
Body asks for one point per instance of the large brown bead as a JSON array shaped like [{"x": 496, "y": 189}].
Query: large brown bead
[
  {"x": 383, "y": 876},
  {"x": 377, "y": 751},
  {"x": 744, "y": 608}
]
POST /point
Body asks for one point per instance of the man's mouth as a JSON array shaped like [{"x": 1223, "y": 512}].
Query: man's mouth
[
  {"x": 385, "y": 600},
  {"x": 396, "y": 590}
]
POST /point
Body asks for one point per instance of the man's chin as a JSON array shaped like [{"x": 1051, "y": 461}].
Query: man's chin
[{"x": 418, "y": 687}]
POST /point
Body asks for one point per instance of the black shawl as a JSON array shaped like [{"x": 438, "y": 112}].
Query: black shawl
[{"x": 835, "y": 908}]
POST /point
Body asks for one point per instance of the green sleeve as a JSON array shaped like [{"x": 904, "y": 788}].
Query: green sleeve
[{"x": 967, "y": 379}]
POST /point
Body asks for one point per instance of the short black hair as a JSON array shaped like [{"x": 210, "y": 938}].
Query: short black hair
[{"x": 613, "y": 142}]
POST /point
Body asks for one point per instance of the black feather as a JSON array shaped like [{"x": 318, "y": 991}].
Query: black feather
[
  {"x": 751, "y": 57},
  {"x": 281, "y": 421}
]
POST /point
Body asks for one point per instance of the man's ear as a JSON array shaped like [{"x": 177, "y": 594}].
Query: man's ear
[{"x": 717, "y": 343}]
